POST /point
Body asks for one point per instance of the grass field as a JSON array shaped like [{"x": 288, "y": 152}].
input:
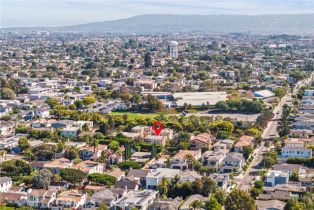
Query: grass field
[
  {"x": 6, "y": 208},
  {"x": 133, "y": 115}
]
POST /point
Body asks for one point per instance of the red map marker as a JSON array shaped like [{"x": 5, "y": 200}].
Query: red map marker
[{"x": 157, "y": 127}]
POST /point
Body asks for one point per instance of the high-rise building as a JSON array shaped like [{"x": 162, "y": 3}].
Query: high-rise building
[{"x": 173, "y": 49}]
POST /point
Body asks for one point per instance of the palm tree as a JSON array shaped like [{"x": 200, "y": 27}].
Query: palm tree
[
  {"x": 29, "y": 155},
  {"x": 2, "y": 155},
  {"x": 94, "y": 143},
  {"x": 189, "y": 159},
  {"x": 163, "y": 186}
]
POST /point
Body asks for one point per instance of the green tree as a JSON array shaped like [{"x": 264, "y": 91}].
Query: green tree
[
  {"x": 15, "y": 169},
  {"x": 190, "y": 160},
  {"x": 212, "y": 204},
  {"x": 102, "y": 207},
  {"x": 103, "y": 127},
  {"x": 239, "y": 200},
  {"x": 126, "y": 165},
  {"x": 294, "y": 204},
  {"x": 23, "y": 143},
  {"x": 284, "y": 124},
  {"x": 71, "y": 175},
  {"x": 259, "y": 184},
  {"x": 114, "y": 145},
  {"x": 163, "y": 187},
  {"x": 222, "y": 105},
  {"x": 79, "y": 104},
  {"x": 254, "y": 132},
  {"x": 102, "y": 179},
  {"x": 197, "y": 204},
  {"x": 52, "y": 102},
  {"x": 7, "y": 93},
  {"x": 42, "y": 179},
  {"x": 294, "y": 176},
  {"x": 246, "y": 151},
  {"x": 71, "y": 153},
  {"x": 220, "y": 195},
  {"x": 221, "y": 126},
  {"x": 279, "y": 92},
  {"x": 88, "y": 100},
  {"x": 147, "y": 60},
  {"x": 254, "y": 192}
]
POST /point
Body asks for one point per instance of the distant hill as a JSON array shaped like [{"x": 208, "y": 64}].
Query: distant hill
[{"x": 274, "y": 24}]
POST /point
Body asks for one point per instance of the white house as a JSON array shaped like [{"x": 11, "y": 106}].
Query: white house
[
  {"x": 274, "y": 177},
  {"x": 72, "y": 199},
  {"x": 6, "y": 128},
  {"x": 138, "y": 199},
  {"x": 155, "y": 176},
  {"x": 296, "y": 152},
  {"x": 232, "y": 162},
  {"x": 41, "y": 198},
  {"x": 309, "y": 93},
  {"x": 70, "y": 132},
  {"x": 5, "y": 184}
]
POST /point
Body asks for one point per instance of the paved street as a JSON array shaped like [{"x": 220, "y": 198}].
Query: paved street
[{"x": 245, "y": 180}]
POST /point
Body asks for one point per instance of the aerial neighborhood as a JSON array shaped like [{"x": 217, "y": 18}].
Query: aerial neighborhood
[{"x": 78, "y": 118}]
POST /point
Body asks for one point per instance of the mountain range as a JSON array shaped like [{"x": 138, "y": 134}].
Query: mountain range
[{"x": 299, "y": 24}]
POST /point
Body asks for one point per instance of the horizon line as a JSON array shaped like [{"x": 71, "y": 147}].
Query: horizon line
[{"x": 28, "y": 27}]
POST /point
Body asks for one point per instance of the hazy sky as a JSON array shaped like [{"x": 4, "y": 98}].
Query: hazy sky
[{"x": 66, "y": 12}]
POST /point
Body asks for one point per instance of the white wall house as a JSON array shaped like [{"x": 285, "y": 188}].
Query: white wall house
[
  {"x": 5, "y": 184},
  {"x": 155, "y": 176},
  {"x": 69, "y": 132},
  {"x": 296, "y": 152},
  {"x": 274, "y": 177}
]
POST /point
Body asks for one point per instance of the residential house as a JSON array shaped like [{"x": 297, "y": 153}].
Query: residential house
[
  {"x": 232, "y": 162},
  {"x": 222, "y": 180},
  {"x": 5, "y": 184},
  {"x": 58, "y": 164},
  {"x": 40, "y": 198},
  {"x": 6, "y": 128},
  {"x": 282, "y": 192},
  {"x": 160, "y": 162},
  {"x": 70, "y": 199},
  {"x": 154, "y": 139},
  {"x": 188, "y": 202},
  {"x": 139, "y": 175},
  {"x": 214, "y": 158},
  {"x": 70, "y": 132},
  {"x": 89, "y": 167},
  {"x": 296, "y": 152},
  {"x": 106, "y": 197},
  {"x": 13, "y": 198},
  {"x": 42, "y": 123},
  {"x": 274, "y": 177},
  {"x": 269, "y": 205},
  {"x": 89, "y": 152},
  {"x": 127, "y": 183},
  {"x": 180, "y": 160},
  {"x": 141, "y": 156},
  {"x": 9, "y": 143},
  {"x": 201, "y": 140},
  {"x": 142, "y": 130},
  {"x": 167, "y": 132},
  {"x": 189, "y": 176},
  {"x": 138, "y": 199},
  {"x": 288, "y": 168},
  {"x": 155, "y": 176},
  {"x": 244, "y": 141},
  {"x": 166, "y": 204}
]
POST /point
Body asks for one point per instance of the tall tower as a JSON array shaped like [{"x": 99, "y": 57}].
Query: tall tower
[{"x": 173, "y": 49}]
